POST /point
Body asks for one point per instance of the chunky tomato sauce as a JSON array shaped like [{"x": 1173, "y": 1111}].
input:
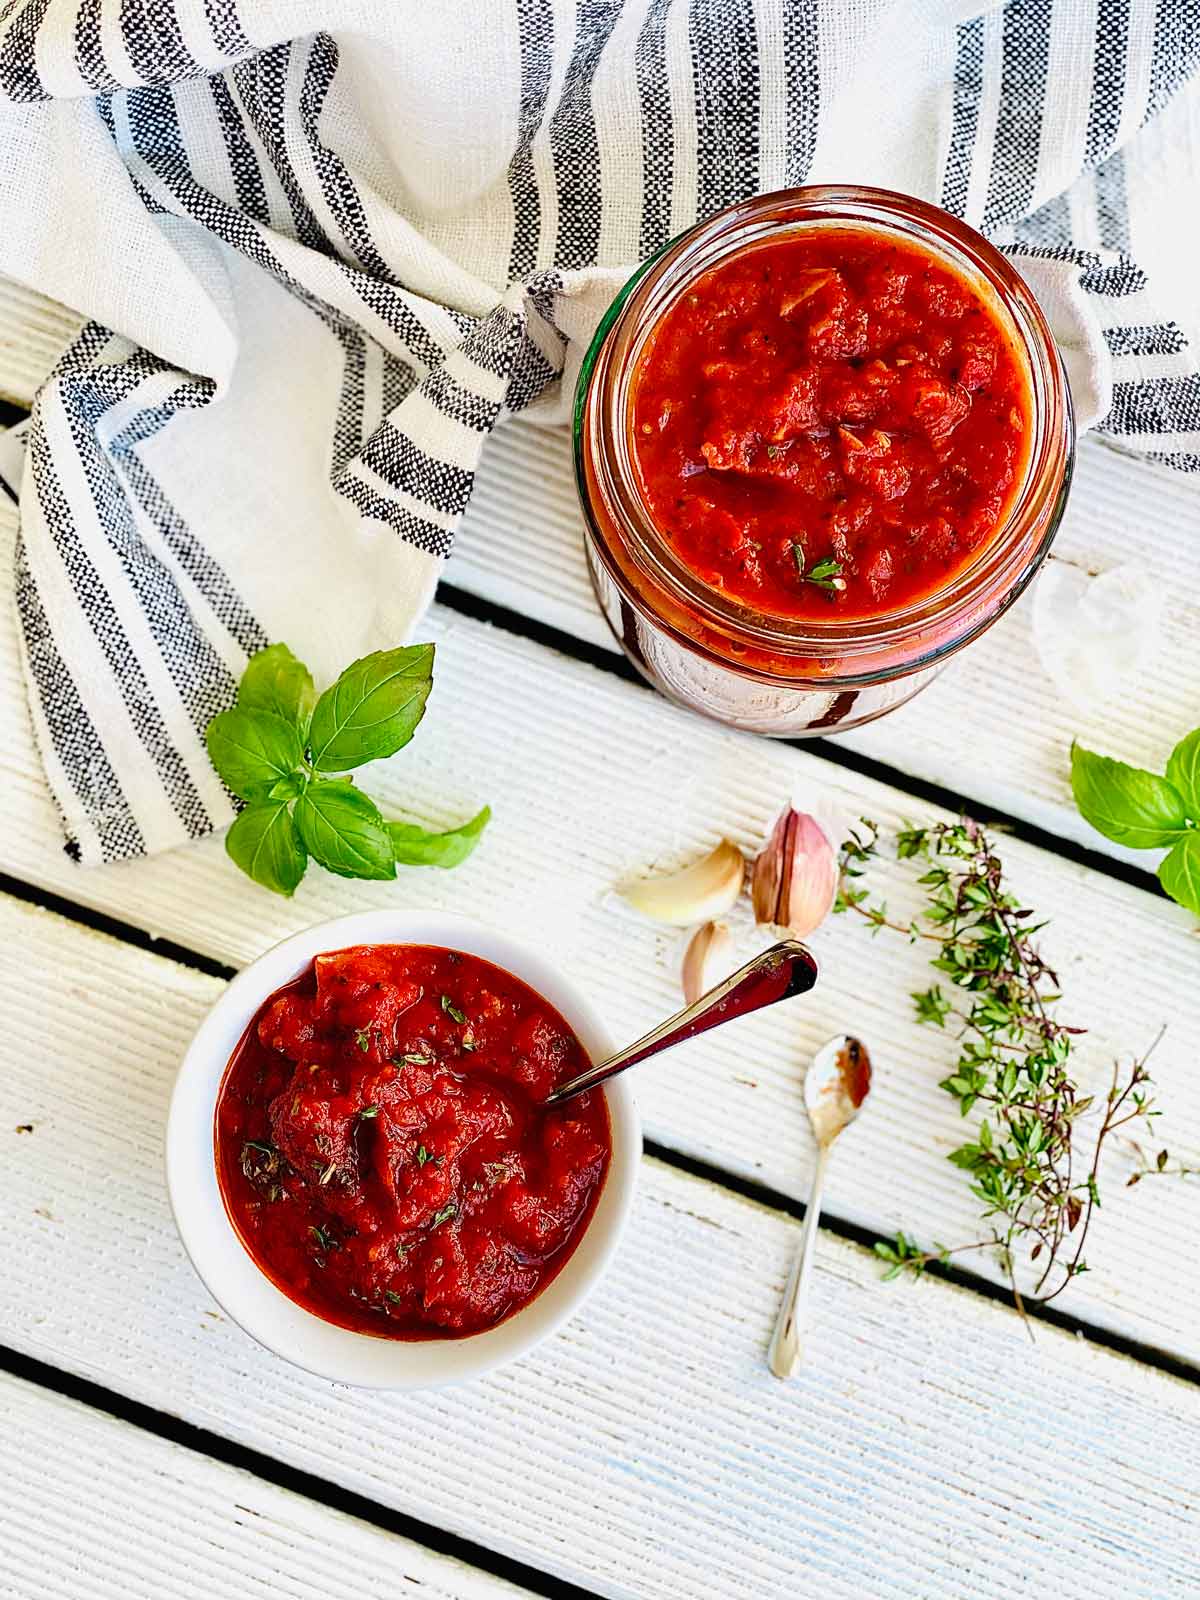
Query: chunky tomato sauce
[
  {"x": 833, "y": 424},
  {"x": 381, "y": 1146}
]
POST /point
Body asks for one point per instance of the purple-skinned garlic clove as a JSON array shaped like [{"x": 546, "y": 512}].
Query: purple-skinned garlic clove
[{"x": 794, "y": 878}]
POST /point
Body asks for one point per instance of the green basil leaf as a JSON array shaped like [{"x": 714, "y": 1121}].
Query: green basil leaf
[
  {"x": 415, "y": 847},
  {"x": 265, "y": 844},
  {"x": 1126, "y": 804},
  {"x": 342, "y": 829},
  {"x": 1179, "y": 871},
  {"x": 252, "y": 750},
  {"x": 275, "y": 681},
  {"x": 1183, "y": 772},
  {"x": 373, "y": 708}
]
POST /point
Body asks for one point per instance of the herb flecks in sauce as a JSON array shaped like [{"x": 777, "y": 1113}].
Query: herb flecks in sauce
[
  {"x": 429, "y": 1194},
  {"x": 836, "y": 407}
]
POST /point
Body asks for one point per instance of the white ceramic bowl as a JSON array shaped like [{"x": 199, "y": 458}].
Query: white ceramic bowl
[{"x": 244, "y": 1291}]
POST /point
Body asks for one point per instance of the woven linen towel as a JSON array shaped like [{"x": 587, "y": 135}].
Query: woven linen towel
[{"x": 326, "y": 244}]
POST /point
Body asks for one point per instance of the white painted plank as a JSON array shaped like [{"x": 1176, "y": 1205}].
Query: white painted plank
[
  {"x": 993, "y": 726},
  {"x": 593, "y": 779},
  {"x": 34, "y": 331},
  {"x": 171, "y": 1524},
  {"x": 925, "y": 1449},
  {"x": 524, "y": 549}
]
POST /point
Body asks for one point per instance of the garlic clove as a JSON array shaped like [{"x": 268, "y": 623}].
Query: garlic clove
[
  {"x": 794, "y": 879},
  {"x": 697, "y": 893},
  {"x": 705, "y": 950}
]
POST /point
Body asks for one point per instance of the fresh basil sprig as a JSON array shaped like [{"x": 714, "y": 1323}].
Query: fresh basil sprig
[
  {"x": 1138, "y": 808},
  {"x": 284, "y": 751}
]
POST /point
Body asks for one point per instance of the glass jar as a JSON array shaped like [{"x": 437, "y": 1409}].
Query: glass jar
[{"x": 789, "y": 676}]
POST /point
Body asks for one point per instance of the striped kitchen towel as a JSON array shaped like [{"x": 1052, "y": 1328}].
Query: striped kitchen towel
[{"x": 326, "y": 244}]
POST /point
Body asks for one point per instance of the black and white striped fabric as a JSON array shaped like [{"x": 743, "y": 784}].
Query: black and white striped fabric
[{"x": 326, "y": 244}]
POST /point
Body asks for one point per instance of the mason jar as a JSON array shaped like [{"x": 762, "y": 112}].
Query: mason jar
[{"x": 713, "y": 651}]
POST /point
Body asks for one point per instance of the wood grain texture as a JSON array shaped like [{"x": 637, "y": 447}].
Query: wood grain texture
[
  {"x": 992, "y": 727},
  {"x": 96, "y": 1509},
  {"x": 594, "y": 780},
  {"x": 925, "y": 1449},
  {"x": 33, "y": 334}
]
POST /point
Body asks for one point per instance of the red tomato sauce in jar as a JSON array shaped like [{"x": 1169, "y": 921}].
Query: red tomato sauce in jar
[
  {"x": 831, "y": 424},
  {"x": 382, "y": 1149}
]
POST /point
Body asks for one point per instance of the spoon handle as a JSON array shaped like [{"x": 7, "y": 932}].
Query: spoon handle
[
  {"x": 777, "y": 974},
  {"x": 785, "y": 1353}
]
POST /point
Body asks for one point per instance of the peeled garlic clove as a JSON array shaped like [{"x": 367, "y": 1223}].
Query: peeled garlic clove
[
  {"x": 706, "y": 948},
  {"x": 794, "y": 879},
  {"x": 698, "y": 893}
]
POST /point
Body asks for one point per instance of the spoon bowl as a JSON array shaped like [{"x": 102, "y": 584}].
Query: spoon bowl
[{"x": 836, "y": 1087}]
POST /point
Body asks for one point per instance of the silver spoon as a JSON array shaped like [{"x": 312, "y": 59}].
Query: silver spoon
[
  {"x": 777, "y": 974},
  {"x": 836, "y": 1086}
]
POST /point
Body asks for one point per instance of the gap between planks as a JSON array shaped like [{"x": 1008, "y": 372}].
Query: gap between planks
[
  {"x": 559, "y": 842},
  {"x": 646, "y": 1443},
  {"x": 760, "y": 1193},
  {"x": 1124, "y": 866},
  {"x": 658, "y": 805},
  {"x": 468, "y": 604},
  {"x": 992, "y": 730},
  {"x": 993, "y": 726},
  {"x": 190, "y": 1512},
  {"x": 477, "y": 605}
]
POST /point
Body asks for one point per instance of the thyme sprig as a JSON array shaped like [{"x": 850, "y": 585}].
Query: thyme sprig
[{"x": 1014, "y": 1055}]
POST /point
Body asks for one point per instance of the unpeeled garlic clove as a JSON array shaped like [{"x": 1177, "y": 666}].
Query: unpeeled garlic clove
[
  {"x": 794, "y": 878},
  {"x": 705, "y": 950},
  {"x": 699, "y": 893}
]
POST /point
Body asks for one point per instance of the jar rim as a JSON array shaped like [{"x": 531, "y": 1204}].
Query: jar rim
[{"x": 1009, "y": 557}]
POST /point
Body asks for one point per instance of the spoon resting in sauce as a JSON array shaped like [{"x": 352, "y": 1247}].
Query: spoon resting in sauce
[{"x": 835, "y": 1088}]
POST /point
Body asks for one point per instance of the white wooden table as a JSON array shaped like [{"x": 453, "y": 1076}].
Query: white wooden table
[{"x": 148, "y": 1448}]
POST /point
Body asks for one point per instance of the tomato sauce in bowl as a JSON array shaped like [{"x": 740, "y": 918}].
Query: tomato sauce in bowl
[
  {"x": 835, "y": 420},
  {"x": 382, "y": 1150}
]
